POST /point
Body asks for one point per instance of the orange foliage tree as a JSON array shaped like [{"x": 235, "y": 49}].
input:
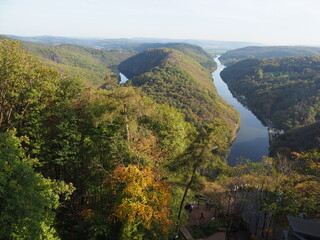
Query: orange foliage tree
[{"x": 142, "y": 202}]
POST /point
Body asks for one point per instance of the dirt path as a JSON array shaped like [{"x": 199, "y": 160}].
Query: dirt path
[
  {"x": 208, "y": 214},
  {"x": 195, "y": 216},
  {"x": 240, "y": 235}
]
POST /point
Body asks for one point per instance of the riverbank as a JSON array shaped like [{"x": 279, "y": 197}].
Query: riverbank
[{"x": 273, "y": 132}]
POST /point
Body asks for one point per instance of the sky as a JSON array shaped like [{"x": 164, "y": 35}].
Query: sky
[{"x": 271, "y": 22}]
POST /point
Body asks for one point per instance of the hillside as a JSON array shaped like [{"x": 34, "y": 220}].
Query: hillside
[
  {"x": 236, "y": 55},
  {"x": 170, "y": 76},
  {"x": 89, "y": 63},
  {"x": 285, "y": 90},
  {"x": 298, "y": 140}
]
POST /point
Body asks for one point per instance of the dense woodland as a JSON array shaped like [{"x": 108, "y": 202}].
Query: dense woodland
[
  {"x": 285, "y": 90},
  {"x": 80, "y": 162},
  {"x": 299, "y": 139},
  {"x": 236, "y": 55}
]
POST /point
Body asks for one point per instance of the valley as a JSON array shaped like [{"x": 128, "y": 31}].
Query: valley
[
  {"x": 284, "y": 91},
  {"x": 102, "y": 156}
]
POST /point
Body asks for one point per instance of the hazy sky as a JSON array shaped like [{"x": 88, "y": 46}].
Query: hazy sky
[{"x": 267, "y": 21}]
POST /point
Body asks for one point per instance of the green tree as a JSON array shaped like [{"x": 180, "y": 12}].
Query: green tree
[
  {"x": 27, "y": 199},
  {"x": 110, "y": 81},
  {"x": 211, "y": 141},
  {"x": 24, "y": 84}
]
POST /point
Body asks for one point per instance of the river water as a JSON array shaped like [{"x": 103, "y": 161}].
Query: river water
[
  {"x": 252, "y": 138},
  {"x": 123, "y": 78}
]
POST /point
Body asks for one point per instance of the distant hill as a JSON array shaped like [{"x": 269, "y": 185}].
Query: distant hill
[
  {"x": 206, "y": 44},
  {"x": 298, "y": 139},
  {"x": 132, "y": 43},
  {"x": 236, "y": 55},
  {"x": 91, "y": 64},
  {"x": 285, "y": 90},
  {"x": 171, "y": 76}
]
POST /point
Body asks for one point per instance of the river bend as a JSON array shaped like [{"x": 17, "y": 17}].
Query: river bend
[{"x": 252, "y": 139}]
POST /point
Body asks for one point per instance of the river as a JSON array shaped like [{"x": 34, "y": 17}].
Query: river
[
  {"x": 123, "y": 78},
  {"x": 252, "y": 139}
]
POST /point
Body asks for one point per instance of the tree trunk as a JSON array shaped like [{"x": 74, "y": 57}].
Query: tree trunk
[
  {"x": 186, "y": 191},
  {"x": 127, "y": 126},
  {"x": 257, "y": 225},
  {"x": 264, "y": 224},
  {"x": 274, "y": 230}
]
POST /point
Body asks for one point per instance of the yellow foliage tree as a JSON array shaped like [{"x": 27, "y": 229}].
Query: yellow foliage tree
[{"x": 143, "y": 201}]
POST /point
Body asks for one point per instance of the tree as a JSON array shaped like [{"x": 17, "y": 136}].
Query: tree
[
  {"x": 142, "y": 204},
  {"x": 212, "y": 137},
  {"x": 27, "y": 199},
  {"x": 24, "y": 83},
  {"x": 110, "y": 81}
]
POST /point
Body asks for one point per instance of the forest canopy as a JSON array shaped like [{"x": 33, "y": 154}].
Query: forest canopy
[{"x": 285, "y": 90}]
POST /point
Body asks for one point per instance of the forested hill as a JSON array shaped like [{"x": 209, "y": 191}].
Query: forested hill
[
  {"x": 173, "y": 77},
  {"x": 89, "y": 63},
  {"x": 236, "y": 55},
  {"x": 285, "y": 90},
  {"x": 194, "y": 51}
]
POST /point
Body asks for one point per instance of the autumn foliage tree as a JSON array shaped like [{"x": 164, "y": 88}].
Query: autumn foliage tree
[{"x": 143, "y": 203}]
